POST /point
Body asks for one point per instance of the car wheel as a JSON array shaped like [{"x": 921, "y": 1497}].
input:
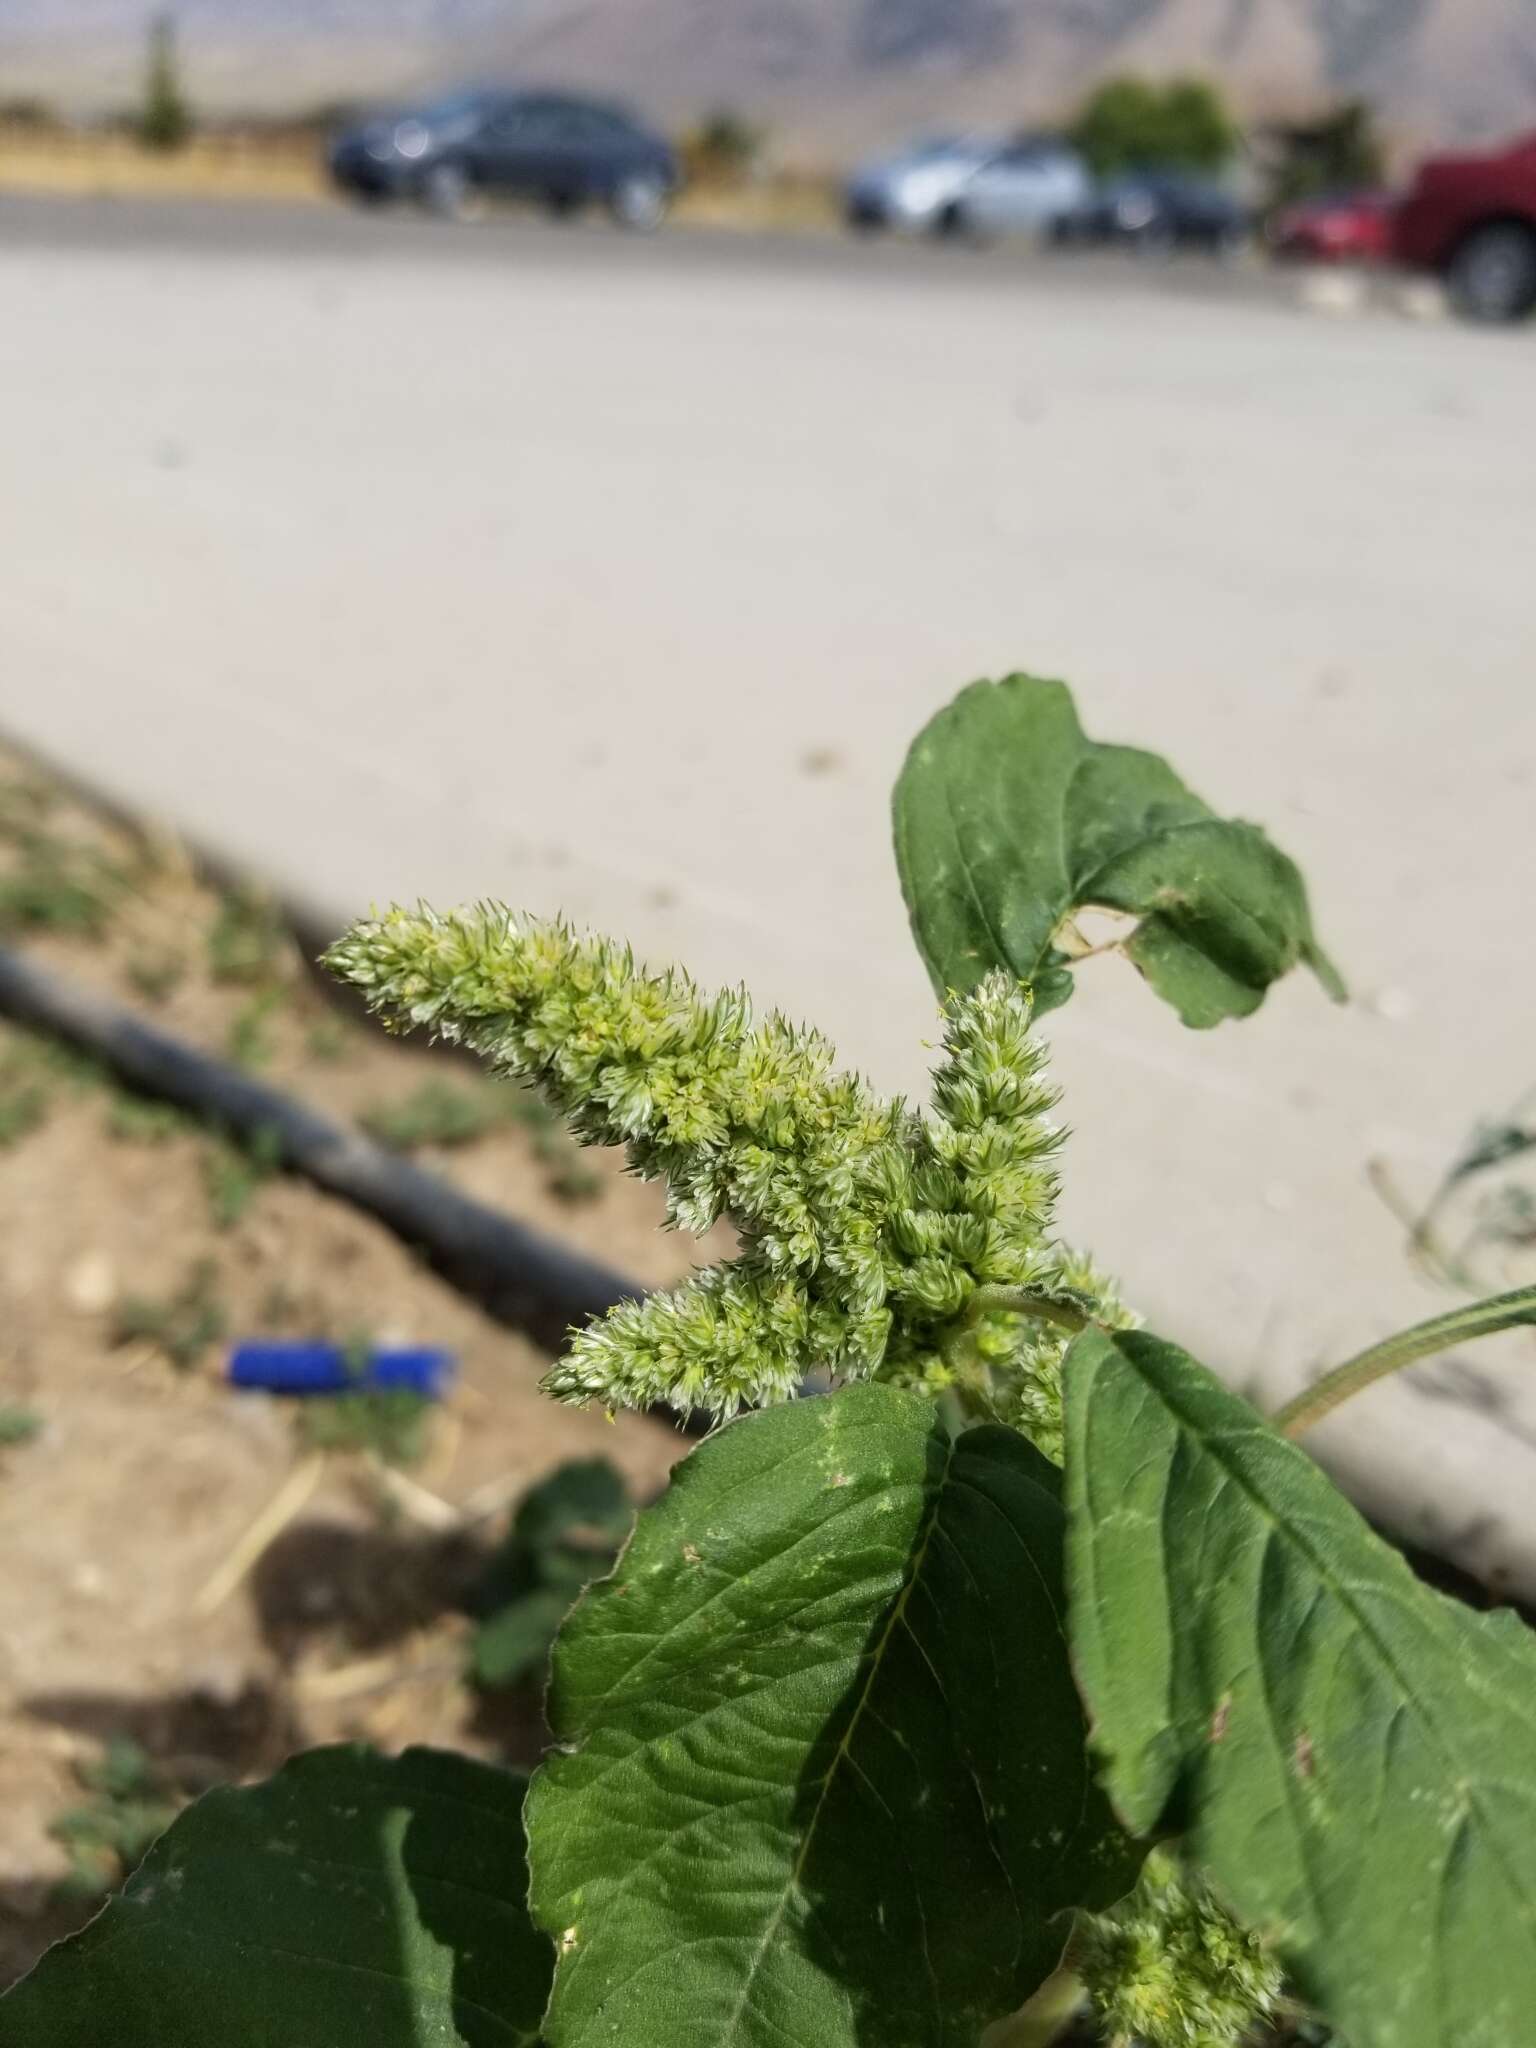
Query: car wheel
[
  {"x": 447, "y": 190},
  {"x": 1492, "y": 276},
  {"x": 956, "y": 223},
  {"x": 639, "y": 202},
  {"x": 1228, "y": 243},
  {"x": 1156, "y": 241}
]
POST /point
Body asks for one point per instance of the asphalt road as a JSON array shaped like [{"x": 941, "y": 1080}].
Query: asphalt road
[{"x": 614, "y": 576}]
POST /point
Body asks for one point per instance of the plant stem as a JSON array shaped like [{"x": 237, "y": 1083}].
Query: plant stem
[
  {"x": 1038, "y": 2022},
  {"x": 972, "y": 1391},
  {"x": 1026, "y": 1301},
  {"x": 1481, "y": 1319}
]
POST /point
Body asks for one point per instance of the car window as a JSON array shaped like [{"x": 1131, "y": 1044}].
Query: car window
[
  {"x": 592, "y": 125},
  {"x": 532, "y": 122},
  {"x": 456, "y": 107}
]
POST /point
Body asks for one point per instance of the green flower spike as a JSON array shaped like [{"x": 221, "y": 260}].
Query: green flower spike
[
  {"x": 875, "y": 1241},
  {"x": 1171, "y": 1968}
]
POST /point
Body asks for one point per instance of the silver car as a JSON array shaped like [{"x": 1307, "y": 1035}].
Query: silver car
[
  {"x": 977, "y": 186},
  {"x": 1027, "y": 188}
]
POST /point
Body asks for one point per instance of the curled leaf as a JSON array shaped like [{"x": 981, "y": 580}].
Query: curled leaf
[{"x": 1009, "y": 820}]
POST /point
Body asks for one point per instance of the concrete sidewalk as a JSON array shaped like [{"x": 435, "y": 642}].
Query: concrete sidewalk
[{"x": 615, "y": 580}]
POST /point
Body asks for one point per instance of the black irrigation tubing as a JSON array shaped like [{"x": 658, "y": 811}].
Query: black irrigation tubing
[{"x": 518, "y": 1276}]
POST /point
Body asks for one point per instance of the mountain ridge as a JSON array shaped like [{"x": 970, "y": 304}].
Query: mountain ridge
[{"x": 826, "y": 74}]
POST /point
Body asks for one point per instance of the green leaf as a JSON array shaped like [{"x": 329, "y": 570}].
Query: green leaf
[
  {"x": 1009, "y": 820},
  {"x": 583, "y": 1494},
  {"x": 514, "y": 1642},
  {"x": 824, "y": 1777},
  {"x": 1351, "y": 1757},
  {"x": 566, "y": 1532},
  {"x": 351, "y": 1898}
]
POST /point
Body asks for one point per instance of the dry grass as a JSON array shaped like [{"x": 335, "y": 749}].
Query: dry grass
[
  {"x": 788, "y": 203},
  {"x": 289, "y": 167},
  {"x": 118, "y": 167}
]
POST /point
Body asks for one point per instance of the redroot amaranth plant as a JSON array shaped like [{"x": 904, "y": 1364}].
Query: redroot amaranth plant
[{"x": 1026, "y": 1677}]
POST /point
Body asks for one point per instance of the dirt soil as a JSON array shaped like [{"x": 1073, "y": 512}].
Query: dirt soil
[{"x": 133, "y": 1247}]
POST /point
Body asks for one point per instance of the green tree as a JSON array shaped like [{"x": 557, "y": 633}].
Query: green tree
[
  {"x": 1128, "y": 121},
  {"x": 165, "y": 119},
  {"x": 725, "y": 147},
  {"x": 1339, "y": 151},
  {"x": 1198, "y": 130}
]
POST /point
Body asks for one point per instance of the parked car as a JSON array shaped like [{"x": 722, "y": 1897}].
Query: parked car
[
  {"x": 1158, "y": 210},
  {"x": 1024, "y": 188},
  {"x": 456, "y": 153},
  {"x": 1343, "y": 227},
  {"x": 913, "y": 190},
  {"x": 1472, "y": 221}
]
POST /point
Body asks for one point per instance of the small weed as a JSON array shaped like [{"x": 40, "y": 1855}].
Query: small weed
[
  {"x": 247, "y": 941},
  {"x": 390, "y": 1422},
  {"x": 233, "y": 1174},
  {"x": 326, "y": 1040},
  {"x": 24, "y": 1108},
  {"x": 249, "y": 1042},
  {"x": 566, "y": 1533},
  {"x": 131, "y": 1804},
  {"x": 572, "y": 1180},
  {"x": 279, "y": 1308},
  {"x": 182, "y": 1326},
  {"x": 18, "y": 1425},
  {"x": 76, "y": 1071},
  {"x": 567, "y": 1175},
  {"x": 23, "y": 808},
  {"x": 50, "y": 881},
  {"x": 446, "y": 1113},
  {"x": 138, "y": 1120},
  {"x": 29, "y": 1068},
  {"x": 58, "y": 888},
  {"x": 436, "y": 1113},
  {"x": 157, "y": 975}
]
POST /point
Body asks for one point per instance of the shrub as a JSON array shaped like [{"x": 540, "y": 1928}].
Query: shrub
[
  {"x": 165, "y": 119},
  {"x": 724, "y": 148},
  {"x": 1339, "y": 151},
  {"x": 1127, "y": 122},
  {"x": 181, "y": 1326}
]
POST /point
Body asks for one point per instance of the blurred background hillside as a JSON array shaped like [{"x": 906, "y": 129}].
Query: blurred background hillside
[{"x": 831, "y": 77}]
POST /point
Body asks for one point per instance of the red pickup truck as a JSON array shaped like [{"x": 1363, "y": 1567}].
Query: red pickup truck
[{"x": 1472, "y": 220}]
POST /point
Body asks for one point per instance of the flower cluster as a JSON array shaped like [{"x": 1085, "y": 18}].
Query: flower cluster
[
  {"x": 1171, "y": 1968},
  {"x": 875, "y": 1240}
]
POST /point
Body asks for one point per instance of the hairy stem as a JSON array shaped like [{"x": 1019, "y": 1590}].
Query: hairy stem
[
  {"x": 1481, "y": 1319},
  {"x": 1026, "y": 1301},
  {"x": 1045, "y": 2016}
]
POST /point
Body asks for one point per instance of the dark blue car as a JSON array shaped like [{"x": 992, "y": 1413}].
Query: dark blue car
[
  {"x": 455, "y": 154},
  {"x": 1158, "y": 210}
]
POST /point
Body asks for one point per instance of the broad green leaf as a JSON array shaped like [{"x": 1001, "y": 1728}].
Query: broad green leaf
[
  {"x": 351, "y": 1898},
  {"x": 824, "y": 1776},
  {"x": 1009, "y": 820},
  {"x": 514, "y": 1642},
  {"x": 566, "y": 1533},
  {"x": 583, "y": 1495},
  {"x": 1350, "y": 1756}
]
